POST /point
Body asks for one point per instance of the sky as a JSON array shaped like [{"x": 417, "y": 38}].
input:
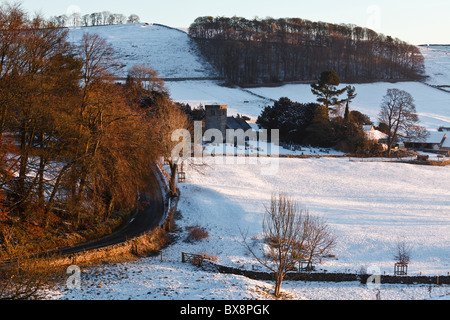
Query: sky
[{"x": 414, "y": 21}]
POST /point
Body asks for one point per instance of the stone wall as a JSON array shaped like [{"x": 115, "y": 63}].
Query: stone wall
[{"x": 326, "y": 277}]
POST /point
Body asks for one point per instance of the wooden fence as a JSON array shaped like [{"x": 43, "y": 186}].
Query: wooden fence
[{"x": 195, "y": 259}]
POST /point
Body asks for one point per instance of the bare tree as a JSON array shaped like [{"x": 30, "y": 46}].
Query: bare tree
[
  {"x": 85, "y": 20},
  {"x": 105, "y": 16},
  {"x": 172, "y": 126},
  {"x": 97, "y": 101},
  {"x": 403, "y": 252},
  {"x": 169, "y": 118},
  {"x": 320, "y": 239},
  {"x": 98, "y": 58},
  {"x": 96, "y": 18},
  {"x": 134, "y": 18},
  {"x": 112, "y": 19},
  {"x": 290, "y": 235},
  {"x": 61, "y": 20},
  {"x": 398, "y": 112},
  {"x": 74, "y": 20},
  {"x": 120, "y": 18},
  {"x": 147, "y": 78}
]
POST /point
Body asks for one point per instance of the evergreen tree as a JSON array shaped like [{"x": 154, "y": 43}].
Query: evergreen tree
[
  {"x": 326, "y": 89},
  {"x": 350, "y": 96},
  {"x": 347, "y": 114},
  {"x": 291, "y": 118},
  {"x": 320, "y": 131}
]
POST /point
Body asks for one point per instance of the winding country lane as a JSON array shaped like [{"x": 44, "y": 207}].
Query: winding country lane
[{"x": 144, "y": 220}]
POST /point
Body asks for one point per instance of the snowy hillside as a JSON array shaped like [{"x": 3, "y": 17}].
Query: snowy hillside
[
  {"x": 433, "y": 105},
  {"x": 209, "y": 92},
  {"x": 437, "y": 64},
  {"x": 168, "y": 51},
  {"x": 174, "y": 55}
]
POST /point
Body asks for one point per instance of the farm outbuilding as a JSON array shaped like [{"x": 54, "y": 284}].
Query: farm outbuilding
[
  {"x": 446, "y": 146},
  {"x": 434, "y": 142}
]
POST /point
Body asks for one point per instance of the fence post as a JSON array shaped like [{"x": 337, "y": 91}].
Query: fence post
[{"x": 183, "y": 257}]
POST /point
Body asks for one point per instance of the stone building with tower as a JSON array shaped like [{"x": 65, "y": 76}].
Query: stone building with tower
[{"x": 217, "y": 118}]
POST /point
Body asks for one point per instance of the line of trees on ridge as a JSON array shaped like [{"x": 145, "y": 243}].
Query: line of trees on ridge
[{"x": 103, "y": 18}]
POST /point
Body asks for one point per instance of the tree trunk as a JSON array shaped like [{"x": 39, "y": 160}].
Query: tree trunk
[
  {"x": 173, "y": 176},
  {"x": 111, "y": 207},
  {"x": 79, "y": 200},
  {"x": 23, "y": 163},
  {"x": 278, "y": 283},
  {"x": 51, "y": 200},
  {"x": 40, "y": 173}
]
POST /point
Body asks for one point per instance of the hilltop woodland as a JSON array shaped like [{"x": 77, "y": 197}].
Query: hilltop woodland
[
  {"x": 270, "y": 50},
  {"x": 76, "y": 148}
]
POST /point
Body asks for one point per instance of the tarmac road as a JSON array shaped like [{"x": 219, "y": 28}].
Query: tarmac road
[{"x": 142, "y": 221}]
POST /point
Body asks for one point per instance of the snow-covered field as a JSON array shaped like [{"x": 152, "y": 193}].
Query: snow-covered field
[
  {"x": 369, "y": 206},
  {"x": 151, "y": 279}
]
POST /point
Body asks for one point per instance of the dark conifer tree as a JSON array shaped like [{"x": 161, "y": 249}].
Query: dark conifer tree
[
  {"x": 347, "y": 114},
  {"x": 351, "y": 94},
  {"x": 326, "y": 89},
  {"x": 320, "y": 131}
]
